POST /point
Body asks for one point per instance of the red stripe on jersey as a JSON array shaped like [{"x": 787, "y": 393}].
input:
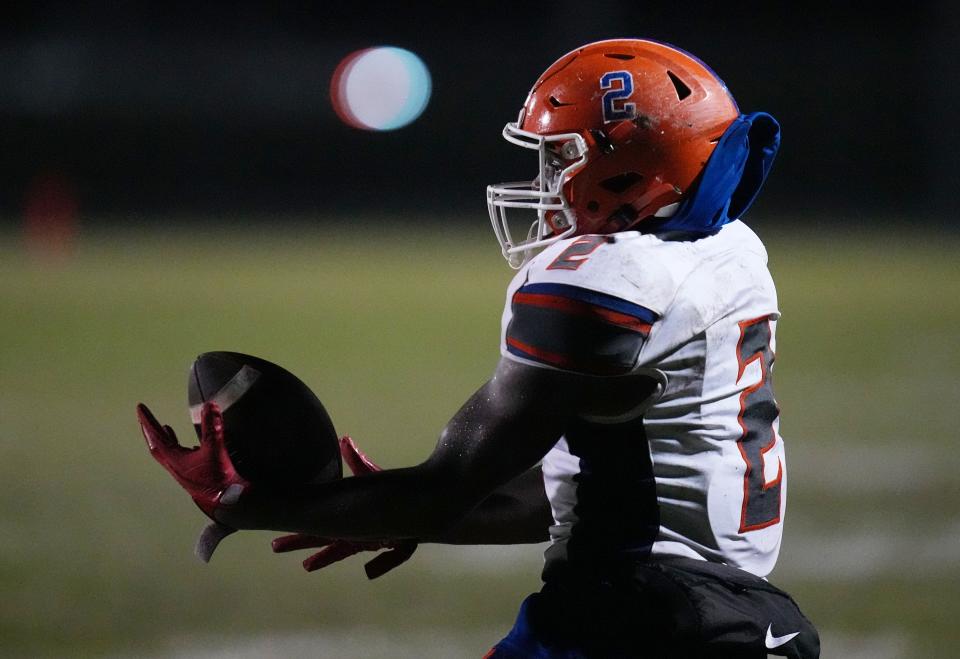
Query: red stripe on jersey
[
  {"x": 543, "y": 355},
  {"x": 562, "y": 361},
  {"x": 576, "y": 307}
]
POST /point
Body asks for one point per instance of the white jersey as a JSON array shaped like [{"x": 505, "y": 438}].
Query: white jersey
[{"x": 700, "y": 470}]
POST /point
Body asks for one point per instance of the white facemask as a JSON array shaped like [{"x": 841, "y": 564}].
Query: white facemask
[{"x": 559, "y": 156}]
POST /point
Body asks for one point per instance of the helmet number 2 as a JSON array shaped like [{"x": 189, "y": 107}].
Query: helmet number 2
[{"x": 618, "y": 86}]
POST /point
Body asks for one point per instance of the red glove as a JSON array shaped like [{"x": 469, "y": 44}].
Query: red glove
[
  {"x": 204, "y": 471},
  {"x": 336, "y": 550}
]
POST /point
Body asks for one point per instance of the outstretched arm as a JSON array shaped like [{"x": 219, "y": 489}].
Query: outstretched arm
[
  {"x": 498, "y": 434},
  {"x": 501, "y": 432},
  {"x": 516, "y": 513}
]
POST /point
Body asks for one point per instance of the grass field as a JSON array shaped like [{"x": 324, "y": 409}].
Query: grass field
[{"x": 96, "y": 540}]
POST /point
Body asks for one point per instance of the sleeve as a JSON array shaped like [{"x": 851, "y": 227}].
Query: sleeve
[
  {"x": 576, "y": 329},
  {"x": 583, "y": 319}
]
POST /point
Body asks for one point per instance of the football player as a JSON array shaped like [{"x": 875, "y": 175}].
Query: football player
[{"x": 631, "y": 419}]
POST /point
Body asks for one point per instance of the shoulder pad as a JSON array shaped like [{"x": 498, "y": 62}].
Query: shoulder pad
[{"x": 642, "y": 269}]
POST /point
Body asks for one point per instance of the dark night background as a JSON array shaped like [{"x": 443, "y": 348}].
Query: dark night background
[{"x": 178, "y": 108}]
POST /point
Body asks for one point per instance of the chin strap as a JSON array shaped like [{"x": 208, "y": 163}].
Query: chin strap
[{"x": 731, "y": 180}]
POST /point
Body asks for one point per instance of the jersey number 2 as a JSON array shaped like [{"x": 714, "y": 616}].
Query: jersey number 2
[{"x": 758, "y": 411}]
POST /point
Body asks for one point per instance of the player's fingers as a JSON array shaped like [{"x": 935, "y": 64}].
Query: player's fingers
[
  {"x": 212, "y": 439},
  {"x": 211, "y": 424},
  {"x": 153, "y": 432},
  {"x": 358, "y": 461},
  {"x": 171, "y": 434},
  {"x": 386, "y": 561},
  {"x": 298, "y": 541},
  {"x": 338, "y": 551}
]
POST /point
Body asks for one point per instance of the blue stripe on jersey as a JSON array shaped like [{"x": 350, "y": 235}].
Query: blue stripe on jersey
[{"x": 592, "y": 297}]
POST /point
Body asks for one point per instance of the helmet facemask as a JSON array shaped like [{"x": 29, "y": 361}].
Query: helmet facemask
[{"x": 560, "y": 156}]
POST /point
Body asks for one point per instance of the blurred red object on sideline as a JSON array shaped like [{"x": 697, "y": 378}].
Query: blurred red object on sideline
[{"x": 50, "y": 214}]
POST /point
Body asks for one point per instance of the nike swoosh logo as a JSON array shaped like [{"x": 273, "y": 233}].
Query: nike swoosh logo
[{"x": 777, "y": 641}]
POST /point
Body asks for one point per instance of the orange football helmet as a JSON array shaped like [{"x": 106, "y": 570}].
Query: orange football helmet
[{"x": 622, "y": 128}]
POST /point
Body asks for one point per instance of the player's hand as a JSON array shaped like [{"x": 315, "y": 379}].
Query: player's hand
[
  {"x": 398, "y": 551},
  {"x": 333, "y": 549},
  {"x": 204, "y": 471}
]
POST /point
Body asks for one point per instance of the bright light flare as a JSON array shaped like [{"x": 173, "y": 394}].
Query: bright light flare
[{"x": 381, "y": 88}]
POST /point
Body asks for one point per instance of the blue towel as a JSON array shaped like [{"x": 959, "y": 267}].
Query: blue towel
[{"x": 731, "y": 179}]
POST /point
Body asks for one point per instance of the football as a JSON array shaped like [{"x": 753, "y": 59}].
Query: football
[{"x": 277, "y": 431}]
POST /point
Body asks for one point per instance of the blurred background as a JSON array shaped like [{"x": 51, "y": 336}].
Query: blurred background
[{"x": 177, "y": 178}]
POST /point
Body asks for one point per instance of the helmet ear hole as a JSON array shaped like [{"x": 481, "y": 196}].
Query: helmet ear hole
[{"x": 593, "y": 206}]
